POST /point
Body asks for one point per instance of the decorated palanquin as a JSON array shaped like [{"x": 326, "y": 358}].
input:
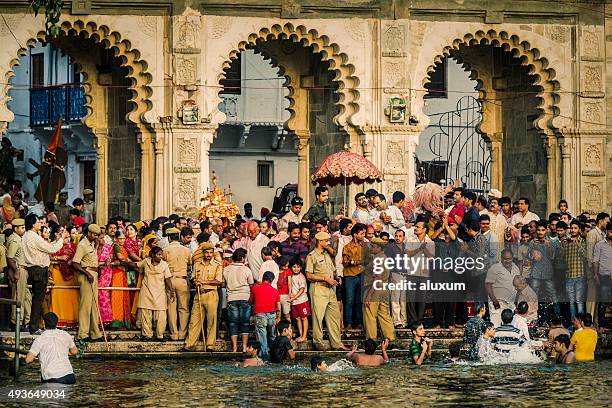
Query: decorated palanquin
[{"x": 217, "y": 203}]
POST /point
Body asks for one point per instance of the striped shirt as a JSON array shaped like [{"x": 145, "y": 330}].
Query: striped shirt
[{"x": 507, "y": 338}]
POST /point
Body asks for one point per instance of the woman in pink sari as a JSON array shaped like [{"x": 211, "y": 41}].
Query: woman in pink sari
[
  {"x": 132, "y": 245},
  {"x": 105, "y": 259}
]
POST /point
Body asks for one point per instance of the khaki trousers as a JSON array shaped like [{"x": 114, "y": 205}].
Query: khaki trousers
[
  {"x": 207, "y": 302},
  {"x": 88, "y": 308},
  {"x": 324, "y": 305},
  {"x": 146, "y": 319},
  {"x": 378, "y": 312},
  {"x": 398, "y": 302},
  {"x": 181, "y": 300},
  {"x": 21, "y": 293}
]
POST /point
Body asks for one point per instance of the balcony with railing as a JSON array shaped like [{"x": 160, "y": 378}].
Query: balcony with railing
[{"x": 48, "y": 103}]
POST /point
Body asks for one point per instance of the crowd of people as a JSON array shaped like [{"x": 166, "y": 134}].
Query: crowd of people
[{"x": 182, "y": 279}]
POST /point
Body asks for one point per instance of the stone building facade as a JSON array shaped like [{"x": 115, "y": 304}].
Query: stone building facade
[{"x": 356, "y": 72}]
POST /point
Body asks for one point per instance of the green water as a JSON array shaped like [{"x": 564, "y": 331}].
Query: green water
[{"x": 201, "y": 383}]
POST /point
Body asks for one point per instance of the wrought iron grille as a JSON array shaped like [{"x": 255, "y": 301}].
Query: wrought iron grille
[
  {"x": 461, "y": 153},
  {"x": 48, "y": 103}
]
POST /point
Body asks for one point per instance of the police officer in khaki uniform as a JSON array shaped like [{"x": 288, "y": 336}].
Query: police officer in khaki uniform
[
  {"x": 320, "y": 271},
  {"x": 207, "y": 277},
  {"x": 376, "y": 308},
  {"x": 85, "y": 261},
  {"x": 178, "y": 258},
  {"x": 17, "y": 274}
]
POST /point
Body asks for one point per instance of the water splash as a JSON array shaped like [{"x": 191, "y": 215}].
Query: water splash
[{"x": 340, "y": 365}]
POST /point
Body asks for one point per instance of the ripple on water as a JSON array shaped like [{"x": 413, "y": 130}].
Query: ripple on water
[{"x": 178, "y": 383}]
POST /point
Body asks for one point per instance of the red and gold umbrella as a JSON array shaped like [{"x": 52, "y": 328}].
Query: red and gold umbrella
[{"x": 346, "y": 167}]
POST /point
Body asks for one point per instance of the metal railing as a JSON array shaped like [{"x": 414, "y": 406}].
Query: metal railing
[
  {"x": 16, "y": 348},
  {"x": 50, "y": 102}
]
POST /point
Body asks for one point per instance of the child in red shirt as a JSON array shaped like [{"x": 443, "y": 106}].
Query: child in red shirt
[{"x": 284, "y": 286}]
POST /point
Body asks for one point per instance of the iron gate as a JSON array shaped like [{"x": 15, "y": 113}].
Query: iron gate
[{"x": 460, "y": 152}]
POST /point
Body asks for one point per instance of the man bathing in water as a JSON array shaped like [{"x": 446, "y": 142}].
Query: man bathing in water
[
  {"x": 565, "y": 354},
  {"x": 253, "y": 360},
  {"x": 53, "y": 348},
  {"x": 369, "y": 358}
]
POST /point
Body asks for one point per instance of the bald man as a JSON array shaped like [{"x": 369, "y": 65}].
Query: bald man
[{"x": 257, "y": 242}]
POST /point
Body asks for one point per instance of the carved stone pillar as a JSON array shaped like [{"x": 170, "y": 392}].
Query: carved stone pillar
[
  {"x": 569, "y": 172},
  {"x": 302, "y": 138},
  {"x": 552, "y": 187},
  {"x": 583, "y": 151},
  {"x": 206, "y": 139},
  {"x": 163, "y": 180},
  {"x": 147, "y": 179},
  {"x": 497, "y": 176},
  {"x": 101, "y": 145},
  {"x": 189, "y": 170},
  {"x": 395, "y": 156}
]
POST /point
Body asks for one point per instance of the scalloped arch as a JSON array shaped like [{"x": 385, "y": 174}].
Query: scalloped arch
[
  {"x": 530, "y": 57},
  {"x": 348, "y": 95},
  {"x": 129, "y": 57}
]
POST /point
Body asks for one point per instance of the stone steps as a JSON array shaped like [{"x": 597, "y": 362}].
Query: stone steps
[
  {"x": 127, "y": 344},
  {"x": 124, "y": 343}
]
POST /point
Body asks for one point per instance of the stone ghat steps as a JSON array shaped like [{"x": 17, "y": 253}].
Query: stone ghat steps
[
  {"x": 127, "y": 344},
  {"x": 123, "y": 344}
]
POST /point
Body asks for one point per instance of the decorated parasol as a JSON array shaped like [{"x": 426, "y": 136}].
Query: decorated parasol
[{"x": 346, "y": 167}]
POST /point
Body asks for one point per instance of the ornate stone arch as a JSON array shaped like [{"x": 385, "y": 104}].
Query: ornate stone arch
[
  {"x": 530, "y": 57},
  {"x": 101, "y": 34},
  {"x": 348, "y": 95}
]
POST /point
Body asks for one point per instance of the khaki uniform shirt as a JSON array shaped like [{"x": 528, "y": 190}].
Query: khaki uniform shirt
[
  {"x": 178, "y": 258},
  {"x": 208, "y": 271},
  {"x": 86, "y": 254},
  {"x": 3, "y": 263},
  {"x": 153, "y": 289},
  {"x": 320, "y": 263},
  {"x": 14, "y": 249}
]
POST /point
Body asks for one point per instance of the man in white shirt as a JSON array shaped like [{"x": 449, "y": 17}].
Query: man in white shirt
[
  {"x": 295, "y": 213},
  {"x": 361, "y": 213},
  {"x": 53, "y": 347},
  {"x": 257, "y": 241},
  {"x": 217, "y": 231},
  {"x": 499, "y": 284},
  {"x": 268, "y": 265},
  {"x": 523, "y": 216},
  {"x": 36, "y": 252},
  {"x": 392, "y": 216},
  {"x": 520, "y": 321},
  {"x": 481, "y": 205},
  {"x": 498, "y": 221}
]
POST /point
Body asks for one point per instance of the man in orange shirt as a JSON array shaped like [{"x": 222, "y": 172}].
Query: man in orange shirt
[{"x": 352, "y": 262}]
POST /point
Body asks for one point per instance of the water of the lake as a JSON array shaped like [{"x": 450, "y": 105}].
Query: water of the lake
[{"x": 205, "y": 383}]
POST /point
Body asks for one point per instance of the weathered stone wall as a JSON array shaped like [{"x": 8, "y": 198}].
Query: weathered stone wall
[{"x": 608, "y": 155}]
